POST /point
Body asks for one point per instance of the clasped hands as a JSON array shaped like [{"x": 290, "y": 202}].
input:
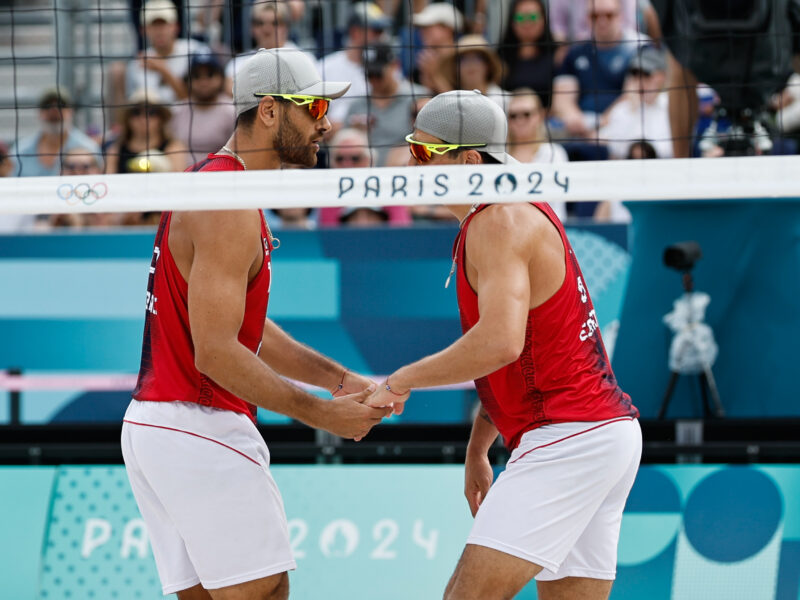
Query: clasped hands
[{"x": 382, "y": 400}]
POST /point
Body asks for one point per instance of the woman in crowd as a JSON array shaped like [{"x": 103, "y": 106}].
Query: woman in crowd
[
  {"x": 528, "y": 49},
  {"x": 145, "y": 128},
  {"x": 472, "y": 65},
  {"x": 528, "y": 140}
]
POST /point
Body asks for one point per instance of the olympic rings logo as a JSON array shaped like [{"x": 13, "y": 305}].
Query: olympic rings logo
[{"x": 82, "y": 193}]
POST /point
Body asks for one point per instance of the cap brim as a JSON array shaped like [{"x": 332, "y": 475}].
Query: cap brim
[
  {"x": 504, "y": 158},
  {"x": 326, "y": 89}
]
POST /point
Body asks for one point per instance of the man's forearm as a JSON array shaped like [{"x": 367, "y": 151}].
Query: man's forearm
[
  {"x": 239, "y": 371},
  {"x": 472, "y": 356},
  {"x": 297, "y": 361},
  {"x": 483, "y": 434}
]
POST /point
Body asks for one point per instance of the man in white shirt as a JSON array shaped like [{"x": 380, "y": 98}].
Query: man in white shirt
[
  {"x": 642, "y": 112},
  {"x": 165, "y": 62},
  {"x": 365, "y": 27}
]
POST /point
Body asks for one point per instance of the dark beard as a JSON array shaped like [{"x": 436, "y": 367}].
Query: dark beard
[{"x": 292, "y": 147}]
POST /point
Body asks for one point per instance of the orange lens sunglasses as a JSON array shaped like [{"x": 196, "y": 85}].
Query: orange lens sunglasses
[{"x": 317, "y": 106}]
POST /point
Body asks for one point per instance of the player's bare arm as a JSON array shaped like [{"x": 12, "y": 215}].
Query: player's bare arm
[
  {"x": 506, "y": 243},
  {"x": 478, "y": 474},
  {"x": 297, "y": 361},
  {"x": 218, "y": 274}
]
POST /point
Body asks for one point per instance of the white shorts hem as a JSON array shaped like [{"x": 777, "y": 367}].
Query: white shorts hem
[
  {"x": 513, "y": 551},
  {"x": 251, "y": 576},
  {"x": 179, "y": 587},
  {"x": 587, "y": 573}
]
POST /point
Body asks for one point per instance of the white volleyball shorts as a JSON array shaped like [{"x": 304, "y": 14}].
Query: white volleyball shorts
[
  {"x": 559, "y": 502},
  {"x": 201, "y": 479}
]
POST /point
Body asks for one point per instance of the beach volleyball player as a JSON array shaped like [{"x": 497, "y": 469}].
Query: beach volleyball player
[
  {"x": 532, "y": 344},
  {"x": 198, "y": 467}
]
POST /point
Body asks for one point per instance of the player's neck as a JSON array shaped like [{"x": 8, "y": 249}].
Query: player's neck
[
  {"x": 462, "y": 211},
  {"x": 251, "y": 153}
]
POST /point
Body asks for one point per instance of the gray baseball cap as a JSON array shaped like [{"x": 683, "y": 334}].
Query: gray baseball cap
[
  {"x": 280, "y": 71},
  {"x": 467, "y": 117}
]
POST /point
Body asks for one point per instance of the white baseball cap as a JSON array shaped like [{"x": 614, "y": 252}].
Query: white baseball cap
[
  {"x": 153, "y": 10},
  {"x": 467, "y": 117},
  {"x": 280, "y": 71},
  {"x": 439, "y": 13}
]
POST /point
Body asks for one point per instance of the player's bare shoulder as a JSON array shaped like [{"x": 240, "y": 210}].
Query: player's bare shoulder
[
  {"x": 520, "y": 228},
  {"x": 229, "y": 235}
]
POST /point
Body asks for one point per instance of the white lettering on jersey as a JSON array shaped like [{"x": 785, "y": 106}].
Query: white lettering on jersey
[
  {"x": 582, "y": 291},
  {"x": 589, "y": 327}
]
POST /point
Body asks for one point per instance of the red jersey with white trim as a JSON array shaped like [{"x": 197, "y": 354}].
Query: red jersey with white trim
[
  {"x": 168, "y": 371},
  {"x": 563, "y": 373}
]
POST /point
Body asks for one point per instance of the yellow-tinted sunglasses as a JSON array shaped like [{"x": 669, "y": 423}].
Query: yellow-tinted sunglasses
[
  {"x": 317, "y": 106},
  {"x": 423, "y": 151}
]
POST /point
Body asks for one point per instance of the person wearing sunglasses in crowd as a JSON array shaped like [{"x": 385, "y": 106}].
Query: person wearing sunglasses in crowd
[
  {"x": 41, "y": 153},
  {"x": 350, "y": 149},
  {"x": 145, "y": 126},
  {"x": 528, "y": 49},
  {"x": 198, "y": 467},
  {"x": 528, "y": 138},
  {"x": 531, "y": 343}
]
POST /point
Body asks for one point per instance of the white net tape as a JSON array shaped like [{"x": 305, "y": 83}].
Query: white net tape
[{"x": 670, "y": 179}]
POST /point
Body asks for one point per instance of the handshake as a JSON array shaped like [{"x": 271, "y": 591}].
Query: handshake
[{"x": 359, "y": 404}]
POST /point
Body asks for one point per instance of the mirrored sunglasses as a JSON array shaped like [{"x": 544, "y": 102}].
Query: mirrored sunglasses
[
  {"x": 423, "y": 152},
  {"x": 527, "y": 17},
  {"x": 317, "y": 106}
]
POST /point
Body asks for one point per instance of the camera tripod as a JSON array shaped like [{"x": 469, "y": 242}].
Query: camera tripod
[{"x": 708, "y": 385}]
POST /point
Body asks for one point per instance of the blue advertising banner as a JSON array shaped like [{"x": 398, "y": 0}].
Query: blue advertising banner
[
  {"x": 391, "y": 532},
  {"x": 78, "y": 305}
]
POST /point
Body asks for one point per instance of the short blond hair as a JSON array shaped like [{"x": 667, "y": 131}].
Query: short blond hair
[{"x": 277, "y": 7}]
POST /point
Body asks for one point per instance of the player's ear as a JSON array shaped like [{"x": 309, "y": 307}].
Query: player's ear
[
  {"x": 473, "y": 157},
  {"x": 268, "y": 110}
]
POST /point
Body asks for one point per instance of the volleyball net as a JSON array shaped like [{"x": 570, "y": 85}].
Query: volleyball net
[{"x": 146, "y": 89}]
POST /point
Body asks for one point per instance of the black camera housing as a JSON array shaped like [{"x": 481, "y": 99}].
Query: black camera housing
[{"x": 682, "y": 256}]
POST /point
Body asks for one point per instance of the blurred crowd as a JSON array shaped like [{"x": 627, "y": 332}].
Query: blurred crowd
[{"x": 577, "y": 79}]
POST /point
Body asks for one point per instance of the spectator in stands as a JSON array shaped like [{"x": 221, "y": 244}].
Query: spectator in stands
[
  {"x": 640, "y": 150},
  {"x": 383, "y": 113},
  {"x": 349, "y": 149},
  {"x": 292, "y": 218},
  {"x": 41, "y": 153},
  {"x": 615, "y": 211},
  {"x": 528, "y": 139},
  {"x": 570, "y": 20},
  {"x": 82, "y": 161},
  {"x": 364, "y": 216},
  {"x": 149, "y": 161},
  {"x": 11, "y": 223},
  {"x": 203, "y": 124},
  {"x": 163, "y": 66},
  {"x": 366, "y": 25},
  {"x": 528, "y": 49},
  {"x": 269, "y": 26},
  {"x": 473, "y": 65},
  {"x": 145, "y": 129},
  {"x": 642, "y": 112},
  {"x": 439, "y": 24},
  {"x": 593, "y": 72}
]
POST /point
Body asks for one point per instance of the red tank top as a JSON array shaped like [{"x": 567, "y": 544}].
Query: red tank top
[
  {"x": 167, "y": 371},
  {"x": 563, "y": 373}
]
